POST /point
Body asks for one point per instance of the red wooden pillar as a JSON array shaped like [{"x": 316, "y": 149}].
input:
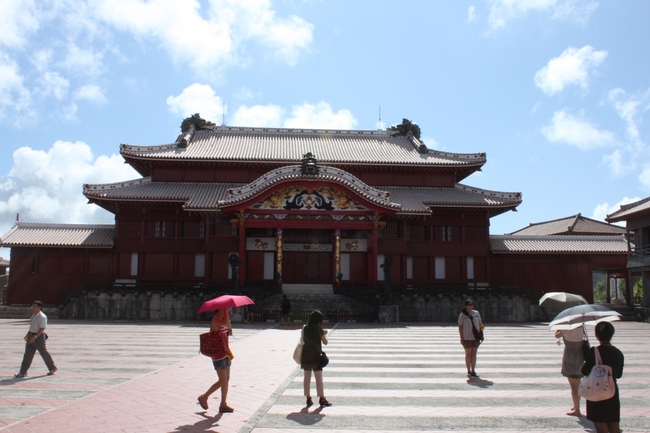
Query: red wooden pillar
[
  {"x": 372, "y": 254},
  {"x": 242, "y": 250}
]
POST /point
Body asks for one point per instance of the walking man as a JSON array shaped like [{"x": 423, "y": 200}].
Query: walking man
[{"x": 36, "y": 341}]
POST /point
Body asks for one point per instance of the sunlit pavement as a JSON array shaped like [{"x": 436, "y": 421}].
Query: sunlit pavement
[{"x": 145, "y": 377}]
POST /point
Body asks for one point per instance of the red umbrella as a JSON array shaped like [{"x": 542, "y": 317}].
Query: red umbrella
[{"x": 225, "y": 301}]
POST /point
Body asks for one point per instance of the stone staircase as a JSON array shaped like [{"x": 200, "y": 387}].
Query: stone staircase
[{"x": 333, "y": 306}]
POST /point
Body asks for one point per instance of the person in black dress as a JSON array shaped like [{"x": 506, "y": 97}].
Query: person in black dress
[
  {"x": 605, "y": 414},
  {"x": 313, "y": 336}
]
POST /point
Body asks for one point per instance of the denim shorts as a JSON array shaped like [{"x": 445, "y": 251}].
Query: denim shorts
[{"x": 221, "y": 364}]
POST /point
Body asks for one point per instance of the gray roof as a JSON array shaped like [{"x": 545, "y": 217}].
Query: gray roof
[
  {"x": 572, "y": 225},
  {"x": 631, "y": 210},
  {"x": 209, "y": 196},
  {"x": 273, "y": 145},
  {"x": 554, "y": 244},
  {"x": 59, "y": 235}
]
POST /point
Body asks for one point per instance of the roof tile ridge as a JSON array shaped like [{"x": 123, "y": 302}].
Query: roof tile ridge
[
  {"x": 88, "y": 187},
  {"x": 629, "y": 206},
  {"x": 26, "y": 225},
  {"x": 615, "y": 237},
  {"x": 316, "y": 131},
  {"x": 135, "y": 148},
  {"x": 478, "y": 156},
  {"x": 489, "y": 192}
]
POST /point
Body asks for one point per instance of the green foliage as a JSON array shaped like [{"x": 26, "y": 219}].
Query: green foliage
[
  {"x": 637, "y": 290},
  {"x": 600, "y": 293}
]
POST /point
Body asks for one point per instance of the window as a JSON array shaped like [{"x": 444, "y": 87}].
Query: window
[
  {"x": 440, "y": 268},
  {"x": 134, "y": 264},
  {"x": 447, "y": 233},
  {"x": 159, "y": 229},
  {"x": 475, "y": 234},
  {"x": 393, "y": 230},
  {"x": 222, "y": 227},
  {"x": 199, "y": 265},
  {"x": 129, "y": 229},
  {"x": 191, "y": 229},
  {"x": 418, "y": 233},
  {"x": 470, "y": 268},
  {"x": 409, "y": 267}
]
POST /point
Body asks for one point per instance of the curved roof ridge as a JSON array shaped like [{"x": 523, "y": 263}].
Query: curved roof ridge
[{"x": 294, "y": 173}]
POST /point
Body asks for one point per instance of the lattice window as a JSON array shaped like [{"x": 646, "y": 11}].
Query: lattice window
[
  {"x": 191, "y": 229},
  {"x": 475, "y": 234},
  {"x": 129, "y": 229},
  {"x": 393, "y": 230},
  {"x": 159, "y": 229},
  {"x": 447, "y": 233},
  {"x": 222, "y": 227},
  {"x": 418, "y": 233}
]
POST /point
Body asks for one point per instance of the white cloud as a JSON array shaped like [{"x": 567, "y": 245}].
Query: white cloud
[
  {"x": 209, "y": 40},
  {"x": 471, "y": 14},
  {"x": 644, "y": 177},
  {"x": 269, "y": 116},
  {"x": 15, "y": 98},
  {"x": 197, "y": 98},
  {"x": 319, "y": 116},
  {"x": 571, "y": 67},
  {"x": 627, "y": 106},
  {"x": 90, "y": 92},
  {"x": 502, "y": 11},
  {"x": 46, "y": 186},
  {"x": 201, "y": 98},
  {"x": 604, "y": 209},
  {"x": 576, "y": 131},
  {"x": 616, "y": 165},
  {"x": 83, "y": 61},
  {"x": 53, "y": 84},
  {"x": 18, "y": 20}
]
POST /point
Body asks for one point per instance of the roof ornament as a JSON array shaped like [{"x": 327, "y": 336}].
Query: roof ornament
[
  {"x": 404, "y": 128},
  {"x": 408, "y": 129},
  {"x": 309, "y": 164},
  {"x": 196, "y": 121}
]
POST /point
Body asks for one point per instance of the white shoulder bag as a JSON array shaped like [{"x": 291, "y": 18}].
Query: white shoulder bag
[{"x": 599, "y": 385}]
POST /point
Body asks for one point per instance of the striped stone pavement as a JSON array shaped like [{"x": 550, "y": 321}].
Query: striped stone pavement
[{"x": 144, "y": 377}]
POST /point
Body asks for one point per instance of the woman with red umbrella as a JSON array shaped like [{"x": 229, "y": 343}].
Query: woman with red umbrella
[{"x": 221, "y": 325}]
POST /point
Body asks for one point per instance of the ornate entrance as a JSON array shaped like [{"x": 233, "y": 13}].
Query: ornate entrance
[{"x": 307, "y": 256}]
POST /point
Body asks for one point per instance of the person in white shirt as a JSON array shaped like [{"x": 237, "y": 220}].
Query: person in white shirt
[
  {"x": 36, "y": 341},
  {"x": 468, "y": 322}
]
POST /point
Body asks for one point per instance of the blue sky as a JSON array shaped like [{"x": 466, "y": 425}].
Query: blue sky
[{"x": 556, "y": 92}]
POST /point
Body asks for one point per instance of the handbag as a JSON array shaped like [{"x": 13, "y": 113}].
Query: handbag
[
  {"x": 585, "y": 344},
  {"x": 213, "y": 344},
  {"x": 599, "y": 385},
  {"x": 323, "y": 360},
  {"x": 478, "y": 333},
  {"x": 297, "y": 352}
]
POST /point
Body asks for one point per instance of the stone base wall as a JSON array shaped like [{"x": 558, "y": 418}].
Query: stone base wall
[
  {"x": 158, "y": 306},
  {"x": 447, "y": 308}
]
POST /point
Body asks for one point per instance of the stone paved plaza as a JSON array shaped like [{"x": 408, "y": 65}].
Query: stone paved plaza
[{"x": 145, "y": 377}]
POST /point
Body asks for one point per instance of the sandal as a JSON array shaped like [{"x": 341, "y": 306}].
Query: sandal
[
  {"x": 203, "y": 401},
  {"x": 226, "y": 408}
]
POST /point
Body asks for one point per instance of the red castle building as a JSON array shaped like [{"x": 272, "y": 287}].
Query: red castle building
[{"x": 298, "y": 207}]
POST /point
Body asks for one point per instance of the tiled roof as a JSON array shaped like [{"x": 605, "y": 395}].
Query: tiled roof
[
  {"x": 563, "y": 244},
  {"x": 572, "y": 225},
  {"x": 4, "y": 262},
  {"x": 192, "y": 195},
  {"x": 289, "y": 145},
  {"x": 208, "y": 196},
  {"x": 420, "y": 199},
  {"x": 59, "y": 235},
  {"x": 628, "y": 211}
]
